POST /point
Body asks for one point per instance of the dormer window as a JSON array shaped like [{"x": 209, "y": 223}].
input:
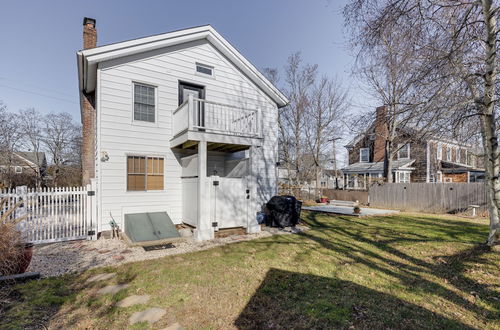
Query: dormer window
[
  {"x": 364, "y": 155},
  {"x": 204, "y": 69}
]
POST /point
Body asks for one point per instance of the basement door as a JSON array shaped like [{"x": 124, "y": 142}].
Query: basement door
[{"x": 229, "y": 198}]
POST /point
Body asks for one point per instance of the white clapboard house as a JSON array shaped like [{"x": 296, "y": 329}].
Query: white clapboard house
[{"x": 179, "y": 123}]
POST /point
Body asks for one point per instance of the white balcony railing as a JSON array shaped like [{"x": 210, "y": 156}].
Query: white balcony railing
[{"x": 207, "y": 116}]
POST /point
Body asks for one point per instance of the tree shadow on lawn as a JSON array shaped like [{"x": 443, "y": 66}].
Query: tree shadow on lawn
[
  {"x": 37, "y": 304},
  {"x": 359, "y": 246},
  {"x": 290, "y": 300}
]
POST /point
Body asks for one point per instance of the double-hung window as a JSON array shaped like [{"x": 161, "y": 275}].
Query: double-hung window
[
  {"x": 448, "y": 154},
  {"x": 144, "y": 103},
  {"x": 404, "y": 151},
  {"x": 144, "y": 173},
  {"x": 364, "y": 155}
]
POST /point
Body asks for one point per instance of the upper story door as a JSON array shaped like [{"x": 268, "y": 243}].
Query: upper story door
[{"x": 198, "y": 92}]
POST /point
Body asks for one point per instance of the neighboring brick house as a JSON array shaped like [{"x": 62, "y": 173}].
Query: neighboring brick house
[
  {"x": 22, "y": 168},
  {"x": 417, "y": 160}
]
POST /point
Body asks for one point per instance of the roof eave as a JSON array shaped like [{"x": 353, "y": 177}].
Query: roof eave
[{"x": 88, "y": 59}]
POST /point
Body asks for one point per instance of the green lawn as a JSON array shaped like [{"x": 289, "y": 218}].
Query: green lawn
[{"x": 402, "y": 271}]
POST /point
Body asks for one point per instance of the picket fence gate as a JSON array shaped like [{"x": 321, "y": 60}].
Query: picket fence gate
[{"x": 53, "y": 214}]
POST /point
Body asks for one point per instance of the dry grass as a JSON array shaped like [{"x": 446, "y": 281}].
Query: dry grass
[
  {"x": 401, "y": 271},
  {"x": 11, "y": 250}
]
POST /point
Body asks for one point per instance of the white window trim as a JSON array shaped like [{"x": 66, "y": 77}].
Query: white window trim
[
  {"x": 360, "y": 153},
  {"x": 448, "y": 154},
  {"x": 439, "y": 151},
  {"x": 142, "y": 122},
  {"x": 201, "y": 74},
  {"x": 151, "y": 155},
  {"x": 403, "y": 174},
  {"x": 400, "y": 146}
]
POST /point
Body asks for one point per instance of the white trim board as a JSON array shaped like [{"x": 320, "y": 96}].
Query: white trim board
[{"x": 89, "y": 59}]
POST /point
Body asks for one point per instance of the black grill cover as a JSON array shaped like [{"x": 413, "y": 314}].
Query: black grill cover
[{"x": 284, "y": 211}]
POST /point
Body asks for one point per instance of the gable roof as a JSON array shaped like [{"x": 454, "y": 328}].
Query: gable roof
[
  {"x": 37, "y": 158},
  {"x": 23, "y": 157},
  {"x": 89, "y": 58}
]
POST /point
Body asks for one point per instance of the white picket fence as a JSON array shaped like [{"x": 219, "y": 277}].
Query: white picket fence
[{"x": 53, "y": 214}]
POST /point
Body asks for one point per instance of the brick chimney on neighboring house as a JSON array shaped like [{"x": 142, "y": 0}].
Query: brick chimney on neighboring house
[
  {"x": 381, "y": 132},
  {"x": 88, "y": 110}
]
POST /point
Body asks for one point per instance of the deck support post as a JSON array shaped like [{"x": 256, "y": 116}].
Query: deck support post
[
  {"x": 204, "y": 230},
  {"x": 252, "y": 225}
]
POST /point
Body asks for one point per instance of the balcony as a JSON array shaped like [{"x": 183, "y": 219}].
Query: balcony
[{"x": 223, "y": 123}]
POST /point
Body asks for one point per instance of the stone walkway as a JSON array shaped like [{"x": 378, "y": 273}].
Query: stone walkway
[{"x": 150, "y": 315}]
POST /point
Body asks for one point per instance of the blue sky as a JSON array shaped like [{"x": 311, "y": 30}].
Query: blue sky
[{"x": 39, "y": 39}]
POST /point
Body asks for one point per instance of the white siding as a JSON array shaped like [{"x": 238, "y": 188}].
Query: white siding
[{"x": 118, "y": 135}]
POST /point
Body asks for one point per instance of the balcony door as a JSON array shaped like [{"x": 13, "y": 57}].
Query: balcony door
[{"x": 198, "y": 92}]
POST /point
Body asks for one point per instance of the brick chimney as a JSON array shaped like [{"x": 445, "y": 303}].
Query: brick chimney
[
  {"x": 381, "y": 132},
  {"x": 88, "y": 110}
]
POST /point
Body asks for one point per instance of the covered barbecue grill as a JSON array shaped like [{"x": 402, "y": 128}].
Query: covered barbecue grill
[{"x": 284, "y": 211}]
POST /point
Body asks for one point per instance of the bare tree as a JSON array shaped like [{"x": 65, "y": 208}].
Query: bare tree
[
  {"x": 10, "y": 137},
  {"x": 61, "y": 138},
  {"x": 397, "y": 75},
  {"x": 32, "y": 131},
  {"x": 460, "y": 42},
  {"x": 327, "y": 106},
  {"x": 299, "y": 80}
]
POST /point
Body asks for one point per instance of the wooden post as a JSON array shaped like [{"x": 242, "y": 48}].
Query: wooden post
[
  {"x": 194, "y": 115},
  {"x": 204, "y": 230},
  {"x": 95, "y": 214},
  {"x": 252, "y": 225}
]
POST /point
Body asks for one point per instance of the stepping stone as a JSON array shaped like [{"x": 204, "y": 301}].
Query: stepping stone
[
  {"x": 150, "y": 315},
  {"x": 133, "y": 300},
  {"x": 126, "y": 251},
  {"x": 175, "y": 326},
  {"x": 112, "y": 289},
  {"x": 118, "y": 257},
  {"x": 101, "y": 277},
  {"x": 104, "y": 251}
]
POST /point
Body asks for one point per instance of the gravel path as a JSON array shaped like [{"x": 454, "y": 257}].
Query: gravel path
[{"x": 76, "y": 256}]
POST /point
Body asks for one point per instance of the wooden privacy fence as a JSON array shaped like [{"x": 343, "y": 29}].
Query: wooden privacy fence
[
  {"x": 302, "y": 193},
  {"x": 312, "y": 194},
  {"x": 53, "y": 214},
  {"x": 429, "y": 197}
]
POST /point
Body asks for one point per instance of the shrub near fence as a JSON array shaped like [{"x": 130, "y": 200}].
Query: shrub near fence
[{"x": 429, "y": 197}]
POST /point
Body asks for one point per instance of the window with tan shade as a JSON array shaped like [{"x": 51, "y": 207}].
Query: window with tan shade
[{"x": 144, "y": 173}]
